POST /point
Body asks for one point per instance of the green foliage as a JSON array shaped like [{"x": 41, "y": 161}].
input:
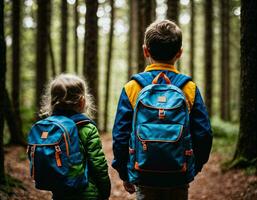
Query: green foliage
[
  {"x": 225, "y": 137},
  {"x": 28, "y": 118}
]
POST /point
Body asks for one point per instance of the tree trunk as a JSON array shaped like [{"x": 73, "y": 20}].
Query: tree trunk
[
  {"x": 143, "y": 10},
  {"x": 2, "y": 89},
  {"x": 225, "y": 67},
  {"x": 64, "y": 35},
  {"x": 16, "y": 136},
  {"x": 192, "y": 39},
  {"x": 150, "y": 7},
  {"x": 140, "y": 29},
  {"x": 90, "y": 69},
  {"x": 246, "y": 150},
  {"x": 172, "y": 14},
  {"x": 131, "y": 11},
  {"x": 51, "y": 52},
  {"x": 208, "y": 52},
  {"x": 50, "y": 45},
  {"x": 108, "y": 71},
  {"x": 132, "y": 35},
  {"x": 41, "y": 49},
  {"x": 16, "y": 12},
  {"x": 76, "y": 46},
  {"x": 173, "y": 10}
]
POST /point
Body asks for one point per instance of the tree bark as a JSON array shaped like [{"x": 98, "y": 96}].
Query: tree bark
[
  {"x": 150, "y": 6},
  {"x": 225, "y": 63},
  {"x": 2, "y": 89},
  {"x": 50, "y": 45},
  {"x": 108, "y": 71},
  {"x": 76, "y": 46},
  {"x": 17, "y": 137},
  {"x": 246, "y": 150},
  {"x": 140, "y": 29},
  {"x": 51, "y": 52},
  {"x": 41, "y": 49},
  {"x": 143, "y": 10},
  {"x": 64, "y": 35},
  {"x": 192, "y": 39},
  {"x": 208, "y": 52},
  {"x": 90, "y": 69},
  {"x": 173, "y": 10},
  {"x": 173, "y": 14},
  {"x": 132, "y": 37}
]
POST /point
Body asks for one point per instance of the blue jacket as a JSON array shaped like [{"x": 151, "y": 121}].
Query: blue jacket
[{"x": 200, "y": 127}]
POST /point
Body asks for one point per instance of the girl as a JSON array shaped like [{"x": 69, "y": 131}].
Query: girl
[{"x": 68, "y": 96}]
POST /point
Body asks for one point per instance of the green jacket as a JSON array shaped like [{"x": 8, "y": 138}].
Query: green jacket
[{"x": 99, "y": 183}]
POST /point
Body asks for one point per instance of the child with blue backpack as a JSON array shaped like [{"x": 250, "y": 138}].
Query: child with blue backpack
[
  {"x": 162, "y": 135},
  {"x": 64, "y": 149}
]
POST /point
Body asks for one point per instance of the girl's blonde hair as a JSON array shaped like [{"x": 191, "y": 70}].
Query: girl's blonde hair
[{"x": 65, "y": 92}]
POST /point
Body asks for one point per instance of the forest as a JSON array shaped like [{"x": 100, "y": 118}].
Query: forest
[{"x": 101, "y": 40}]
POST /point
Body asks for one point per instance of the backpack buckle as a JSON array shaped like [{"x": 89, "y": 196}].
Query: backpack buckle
[
  {"x": 161, "y": 113},
  {"x": 189, "y": 152}
]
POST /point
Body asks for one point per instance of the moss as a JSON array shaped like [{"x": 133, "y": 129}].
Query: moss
[{"x": 241, "y": 162}]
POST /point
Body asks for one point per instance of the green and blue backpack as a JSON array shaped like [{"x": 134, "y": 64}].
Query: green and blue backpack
[
  {"x": 160, "y": 145},
  {"x": 53, "y": 149}
]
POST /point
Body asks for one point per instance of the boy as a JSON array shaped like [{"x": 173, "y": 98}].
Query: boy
[{"x": 162, "y": 47}]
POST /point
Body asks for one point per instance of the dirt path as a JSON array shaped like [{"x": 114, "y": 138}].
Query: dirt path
[{"x": 210, "y": 184}]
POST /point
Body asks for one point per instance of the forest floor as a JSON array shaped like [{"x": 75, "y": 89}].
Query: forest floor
[{"x": 211, "y": 183}]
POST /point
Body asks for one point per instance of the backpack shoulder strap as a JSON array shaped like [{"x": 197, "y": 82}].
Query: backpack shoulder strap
[
  {"x": 143, "y": 78},
  {"x": 180, "y": 80},
  {"x": 81, "y": 119}
]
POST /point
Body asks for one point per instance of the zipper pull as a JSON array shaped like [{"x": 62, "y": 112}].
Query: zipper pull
[
  {"x": 32, "y": 162},
  {"x": 32, "y": 151},
  {"x": 144, "y": 146},
  {"x": 58, "y": 151}
]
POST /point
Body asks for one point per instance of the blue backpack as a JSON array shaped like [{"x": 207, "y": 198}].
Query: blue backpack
[
  {"x": 53, "y": 148},
  {"x": 160, "y": 144}
]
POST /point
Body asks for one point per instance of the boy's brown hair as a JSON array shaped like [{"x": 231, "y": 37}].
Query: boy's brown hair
[{"x": 163, "y": 40}]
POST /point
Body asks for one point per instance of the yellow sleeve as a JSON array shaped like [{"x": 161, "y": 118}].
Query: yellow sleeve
[
  {"x": 189, "y": 90},
  {"x": 132, "y": 89}
]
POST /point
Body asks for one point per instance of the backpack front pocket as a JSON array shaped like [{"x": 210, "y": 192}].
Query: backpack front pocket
[{"x": 160, "y": 148}]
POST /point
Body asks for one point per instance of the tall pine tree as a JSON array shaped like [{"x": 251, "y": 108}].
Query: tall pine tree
[
  {"x": 246, "y": 151},
  {"x": 192, "y": 38},
  {"x": 2, "y": 89},
  {"x": 64, "y": 35},
  {"x": 43, "y": 24},
  {"x": 225, "y": 63},
  {"x": 108, "y": 70},
  {"x": 90, "y": 68},
  {"x": 208, "y": 53}
]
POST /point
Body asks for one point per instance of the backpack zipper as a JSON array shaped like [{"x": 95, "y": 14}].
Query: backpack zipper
[
  {"x": 57, "y": 155},
  {"x": 32, "y": 155},
  {"x": 173, "y": 141},
  {"x": 183, "y": 169}
]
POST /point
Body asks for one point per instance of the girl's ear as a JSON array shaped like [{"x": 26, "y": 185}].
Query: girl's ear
[{"x": 82, "y": 103}]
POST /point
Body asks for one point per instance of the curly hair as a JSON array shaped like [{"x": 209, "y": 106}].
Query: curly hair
[{"x": 65, "y": 92}]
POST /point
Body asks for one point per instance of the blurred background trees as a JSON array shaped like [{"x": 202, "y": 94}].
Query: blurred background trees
[{"x": 102, "y": 41}]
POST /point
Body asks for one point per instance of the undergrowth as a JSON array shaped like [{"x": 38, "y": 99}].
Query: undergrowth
[{"x": 224, "y": 137}]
